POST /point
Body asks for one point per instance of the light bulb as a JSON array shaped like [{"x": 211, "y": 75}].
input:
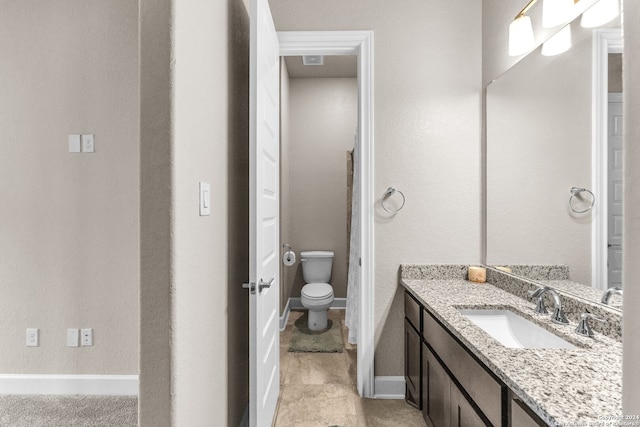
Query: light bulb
[
  {"x": 556, "y": 12},
  {"x": 521, "y": 38},
  {"x": 558, "y": 43},
  {"x": 600, "y": 13}
]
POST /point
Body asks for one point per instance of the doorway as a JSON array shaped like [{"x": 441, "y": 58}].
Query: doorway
[
  {"x": 604, "y": 253},
  {"x": 360, "y": 44},
  {"x": 318, "y": 124}
]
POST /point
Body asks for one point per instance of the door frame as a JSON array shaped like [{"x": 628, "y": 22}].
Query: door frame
[
  {"x": 360, "y": 44},
  {"x": 605, "y": 41}
]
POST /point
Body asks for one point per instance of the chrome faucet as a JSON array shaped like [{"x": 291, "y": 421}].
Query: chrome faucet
[
  {"x": 607, "y": 294},
  {"x": 558, "y": 315},
  {"x": 583, "y": 325}
]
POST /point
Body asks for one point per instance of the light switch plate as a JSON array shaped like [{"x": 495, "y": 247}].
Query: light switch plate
[
  {"x": 205, "y": 199},
  {"x": 88, "y": 144},
  {"x": 73, "y": 337},
  {"x": 74, "y": 143}
]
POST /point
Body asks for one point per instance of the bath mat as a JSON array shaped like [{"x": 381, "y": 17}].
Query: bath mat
[{"x": 304, "y": 340}]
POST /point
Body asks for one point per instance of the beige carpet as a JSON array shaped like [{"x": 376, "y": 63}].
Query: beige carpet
[
  {"x": 68, "y": 411},
  {"x": 307, "y": 341}
]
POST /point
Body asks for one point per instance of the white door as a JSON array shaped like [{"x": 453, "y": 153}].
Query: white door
[
  {"x": 264, "y": 245},
  {"x": 615, "y": 215}
]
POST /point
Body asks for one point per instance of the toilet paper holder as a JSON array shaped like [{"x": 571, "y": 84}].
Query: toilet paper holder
[
  {"x": 288, "y": 257},
  {"x": 287, "y": 251}
]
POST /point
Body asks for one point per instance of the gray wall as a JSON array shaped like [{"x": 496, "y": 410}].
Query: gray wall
[
  {"x": 631, "y": 78},
  {"x": 322, "y": 126},
  {"x": 194, "y": 127},
  {"x": 427, "y": 69},
  {"x": 287, "y": 274},
  {"x": 69, "y": 254}
]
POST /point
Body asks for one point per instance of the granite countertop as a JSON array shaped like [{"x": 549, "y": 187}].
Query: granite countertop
[{"x": 561, "y": 386}]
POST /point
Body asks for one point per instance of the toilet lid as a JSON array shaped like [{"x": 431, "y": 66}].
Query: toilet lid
[
  {"x": 316, "y": 254},
  {"x": 317, "y": 290}
]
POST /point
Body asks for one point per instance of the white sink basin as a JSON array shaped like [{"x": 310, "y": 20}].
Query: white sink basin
[{"x": 513, "y": 330}]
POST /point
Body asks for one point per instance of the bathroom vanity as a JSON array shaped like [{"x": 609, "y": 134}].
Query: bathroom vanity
[{"x": 459, "y": 375}]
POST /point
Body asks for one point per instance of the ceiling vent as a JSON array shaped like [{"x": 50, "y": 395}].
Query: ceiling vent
[{"x": 312, "y": 59}]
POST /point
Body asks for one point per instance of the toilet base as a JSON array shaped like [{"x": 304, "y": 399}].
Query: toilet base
[{"x": 317, "y": 320}]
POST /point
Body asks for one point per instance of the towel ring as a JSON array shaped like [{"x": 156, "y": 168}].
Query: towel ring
[
  {"x": 390, "y": 191},
  {"x": 575, "y": 191}
]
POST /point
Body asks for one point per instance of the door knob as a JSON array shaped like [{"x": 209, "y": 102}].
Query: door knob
[{"x": 264, "y": 284}]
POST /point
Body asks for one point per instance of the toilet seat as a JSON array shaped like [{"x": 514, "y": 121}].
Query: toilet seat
[
  {"x": 316, "y": 291},
  {"x": 317, "y": 298}
]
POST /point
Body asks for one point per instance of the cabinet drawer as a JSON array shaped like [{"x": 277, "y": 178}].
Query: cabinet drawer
[
  {"x": 412, "y": 311},
  {"x": 485, "y": 391}
]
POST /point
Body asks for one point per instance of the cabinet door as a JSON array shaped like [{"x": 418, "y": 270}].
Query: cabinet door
[
  {"x": 436, "y": 406},
  {"x": 462, "y": 413},
  {"x": 522, "y": 416},
  {"x": 412, "y": 364}
]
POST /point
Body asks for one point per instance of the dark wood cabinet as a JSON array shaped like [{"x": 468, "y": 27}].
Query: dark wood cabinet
[
  {"x": 462, "y": 412},
  {"x": 412, "y": 358},
  {"x": 412, "y": 350},
  {"x": 443, "y": 404},
  {"x": 452, "y": 386},
  {"x": 481, "y": 386},
  {"x": 521, "y": 416},
  {"x": 436, "y": 392}
]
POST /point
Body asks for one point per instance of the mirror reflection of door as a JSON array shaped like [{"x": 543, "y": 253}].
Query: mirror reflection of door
[{"x": 615, "y": 172}]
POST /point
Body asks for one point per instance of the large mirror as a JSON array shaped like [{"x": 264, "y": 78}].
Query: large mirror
[{"x": 543, "y": 167}]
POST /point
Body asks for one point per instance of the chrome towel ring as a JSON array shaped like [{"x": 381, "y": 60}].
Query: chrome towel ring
[
  {"x": 390, "y": 192},
  {"x": 575, "y": 192}
]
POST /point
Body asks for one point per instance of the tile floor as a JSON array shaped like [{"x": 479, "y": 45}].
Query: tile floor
[{"x": 319, "y": 389}]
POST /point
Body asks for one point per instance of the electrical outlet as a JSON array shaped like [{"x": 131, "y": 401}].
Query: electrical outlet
[
  {"x": 88, "y": 144},
  {"x": 87, "y": 337},
  {"x": 73, "y": 337},
  {"x": 32, "y": 337}
]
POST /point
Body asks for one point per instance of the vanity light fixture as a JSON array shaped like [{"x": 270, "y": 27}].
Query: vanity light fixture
[
  {"x": 559, "y": 43},
  {"x": 556, "y": 12},
  {"x": 600, "y": 13},
  {"x": 521, "y": 38}
]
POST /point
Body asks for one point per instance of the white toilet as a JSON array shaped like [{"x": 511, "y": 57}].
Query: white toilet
[{"x": 317, "y": 294}]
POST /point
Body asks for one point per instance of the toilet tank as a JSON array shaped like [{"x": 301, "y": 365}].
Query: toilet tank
[{"x": 316, "y": 266}]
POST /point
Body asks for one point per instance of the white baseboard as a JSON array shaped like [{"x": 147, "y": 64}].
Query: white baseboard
[
  {"x": 388, "y": 387},
  {"x": 285, "y": 315},
  {"x": 295, "y": 304},
  {"x": 337, "y": 304},
  {"x": 106, "y": 385}
]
